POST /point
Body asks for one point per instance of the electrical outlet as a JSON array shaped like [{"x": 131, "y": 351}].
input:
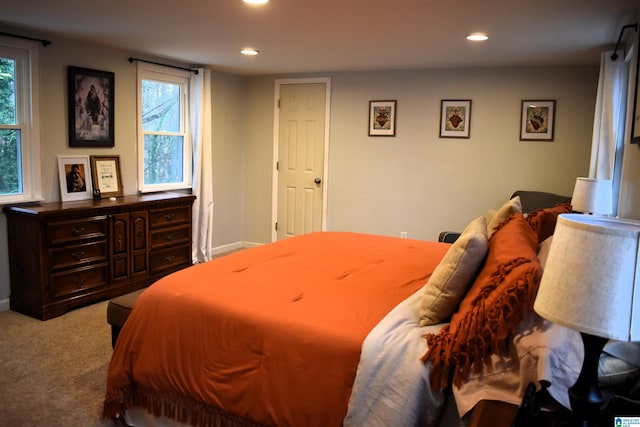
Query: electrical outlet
[{"x": 403, "y": 235}]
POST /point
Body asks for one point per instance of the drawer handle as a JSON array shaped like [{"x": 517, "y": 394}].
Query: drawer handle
[
  {"x": 169, "y": 217},
  {"x": 80, "y": 282},
  {"x": 78, "y": 255},
  {"x": 141, "y": 233},
  {"x": 78, "y": 231},
  {"x": 170, "y": 237},
  {"x": 169, "y": 258}
]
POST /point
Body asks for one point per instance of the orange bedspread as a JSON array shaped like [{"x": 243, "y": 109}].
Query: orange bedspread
[{"x": 271, "y": 334}]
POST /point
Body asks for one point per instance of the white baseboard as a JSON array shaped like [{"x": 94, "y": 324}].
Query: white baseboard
[
  {"x": 251, "y": 244},
  {"x": 232, "y": 247},
  {"x": 4, "y": 305}
]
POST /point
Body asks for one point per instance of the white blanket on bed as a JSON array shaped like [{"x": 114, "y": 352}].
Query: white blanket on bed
[
  {"x": 392, "y": 385},
  {"x": 541, "y": 350}
]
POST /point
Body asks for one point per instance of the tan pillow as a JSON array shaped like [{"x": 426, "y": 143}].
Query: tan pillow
[
  {"x": 503, "y": 291},
  {"x": 455, "y": 273},
  {"x": 496, "y": 218}
]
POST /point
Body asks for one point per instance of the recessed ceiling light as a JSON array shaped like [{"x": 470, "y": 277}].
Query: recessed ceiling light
[
  {"x": 477, "y": 37},
  {"x": 256, "y": 1},
  {"x": 249, "y": 51}
]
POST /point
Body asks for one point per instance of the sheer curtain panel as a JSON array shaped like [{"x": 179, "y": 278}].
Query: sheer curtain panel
[
  {"x": 202, "y": 165},
  {"x": 609, "y": 123}
]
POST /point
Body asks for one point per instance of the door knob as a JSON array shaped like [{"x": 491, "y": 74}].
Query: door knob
[{"x": 317, "y": 181}]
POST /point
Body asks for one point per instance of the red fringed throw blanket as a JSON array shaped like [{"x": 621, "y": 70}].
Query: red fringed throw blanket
[{"x": 506, "y": 285}]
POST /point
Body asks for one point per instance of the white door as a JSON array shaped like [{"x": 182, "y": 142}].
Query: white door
[{"x": 300, "y": 162}]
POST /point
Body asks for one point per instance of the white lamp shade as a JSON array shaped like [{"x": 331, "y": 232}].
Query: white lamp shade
[
  {"x": 590, "y": 276},
  {"x": 592, "y": 196}
]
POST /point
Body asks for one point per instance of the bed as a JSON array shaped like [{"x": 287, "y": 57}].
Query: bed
[{"x": 340, "y": 328}]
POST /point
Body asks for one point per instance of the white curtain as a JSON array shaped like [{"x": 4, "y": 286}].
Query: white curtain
[
  {"x": 609, "y": 123},
  {"x": 202, "y": 182}
]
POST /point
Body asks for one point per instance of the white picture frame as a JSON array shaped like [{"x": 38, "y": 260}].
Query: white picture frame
[{"x": 75, "y": 178}]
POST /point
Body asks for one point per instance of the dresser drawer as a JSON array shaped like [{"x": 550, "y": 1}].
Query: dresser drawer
[
  {"x": 81, "y": 229},
  {"x": 75, "y": 255},
  {"x": 173, "y": 258},
  {"x": 78, "y": 280},
  {"x": 169, "y": 216},
  {"x": 163, "y": 237}
]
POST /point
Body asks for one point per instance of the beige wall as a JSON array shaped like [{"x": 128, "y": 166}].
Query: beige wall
[
  {"x": 258, "y": 160},
  {"x": 228, "y": 124},
  {"x": 414, "y": 182},
  {"x": 417, "y": 182}
]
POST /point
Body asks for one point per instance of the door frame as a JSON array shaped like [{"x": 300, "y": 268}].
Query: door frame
[{"x": 276, "y": 138}]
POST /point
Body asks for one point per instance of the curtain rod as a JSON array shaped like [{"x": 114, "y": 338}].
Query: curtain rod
[
  {"x": 131, "y": 59},
  {"x": 43, "y": 41},
  {"x": 614, "y": 56}
]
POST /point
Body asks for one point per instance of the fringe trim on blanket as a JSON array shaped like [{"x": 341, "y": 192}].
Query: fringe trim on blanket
[
  {"x": 178, "y": 408},
  {"x": 484, "y": 329}
]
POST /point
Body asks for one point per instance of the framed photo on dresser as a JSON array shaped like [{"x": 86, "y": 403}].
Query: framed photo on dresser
[
  {"x": 105, "y": 171},
  {"x": 75, "y": 178}
]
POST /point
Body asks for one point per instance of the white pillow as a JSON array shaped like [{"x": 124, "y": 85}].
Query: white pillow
[{"x": 452, "y": 277}]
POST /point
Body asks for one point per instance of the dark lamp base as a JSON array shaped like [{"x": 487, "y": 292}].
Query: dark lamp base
[{"x": 585, "y": 397}]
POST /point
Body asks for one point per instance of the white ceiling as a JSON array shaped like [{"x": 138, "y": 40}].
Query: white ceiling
[{"x": 296, "y": 36}]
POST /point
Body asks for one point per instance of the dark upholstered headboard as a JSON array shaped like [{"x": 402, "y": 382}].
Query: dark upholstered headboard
[
  {"x": 534, "y": 200},
  {"x": 530, "y": 201}
]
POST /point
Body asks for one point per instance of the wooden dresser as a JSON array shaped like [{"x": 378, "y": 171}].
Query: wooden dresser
[{"x": 64, "y": 255}]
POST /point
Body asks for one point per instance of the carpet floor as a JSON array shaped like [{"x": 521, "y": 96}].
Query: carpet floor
[{"x": 54, "y": 372}]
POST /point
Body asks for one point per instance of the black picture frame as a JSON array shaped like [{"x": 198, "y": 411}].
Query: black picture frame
[
  {"x": 91, "y": 121},
  {"x": 537, "y": 119},
  {"x": 382, "y": 118},
  {"x": 635, "y": 119},
  {"x": 455, "y": 118}
]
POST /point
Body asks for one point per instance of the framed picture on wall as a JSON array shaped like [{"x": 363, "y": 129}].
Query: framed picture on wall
[
  {"x": 635, "y": 123},
  {"x": 90, "y": 107},
  {"x": 75, "y": 178},
  {"x": 105, "y": 171},
  {"x": 537, "y": 120},
  {"x": 455, "y": 118},
  {"x": 382, "y": 118}
]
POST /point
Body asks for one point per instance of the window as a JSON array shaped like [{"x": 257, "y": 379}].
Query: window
[
  {"x": 164, "y": 145},
  {"x": 20, "y": 179}
]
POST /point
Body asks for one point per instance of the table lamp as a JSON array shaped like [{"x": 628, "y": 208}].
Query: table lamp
[
  {"x": 589, "y": 285},
  {"x": 593, "y": 196}
]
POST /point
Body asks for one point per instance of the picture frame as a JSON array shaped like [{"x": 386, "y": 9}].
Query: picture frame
[
  {"x": 537, "y": 119},
  {"x": 91, "y": 101},
  {"x": 75, "y": 178},
  {"x": 635, "y": 119},
  {"x": 107, "y": 179},
  {"x": 455, "y": 118},
  {"x": 382, "y": 118}
]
